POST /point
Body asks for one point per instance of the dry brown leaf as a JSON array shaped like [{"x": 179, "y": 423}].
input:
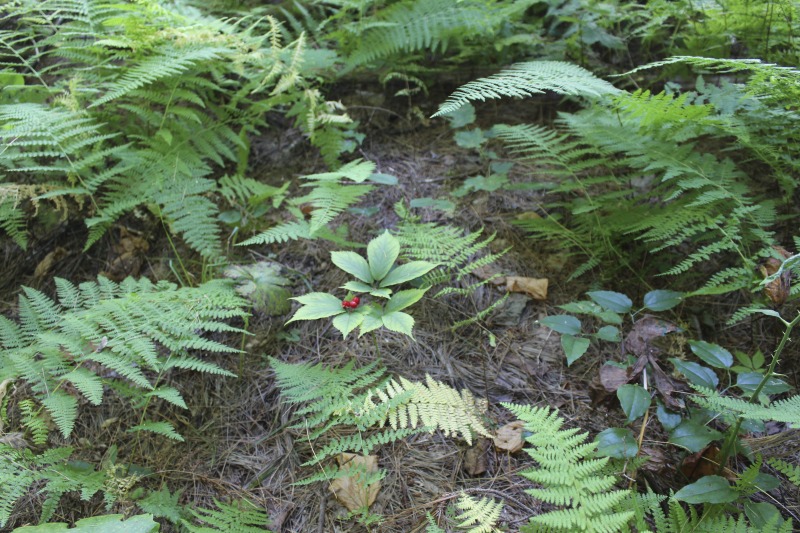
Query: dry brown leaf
[
  {"x": 778, "y": 289},
  {"x": 475, "y": 458},
  {"x": 351, "y": 490},
  {"x": 536, "y": 288},
  {"x": 613, "y": 377},
  {"x": 509, "y": 437},
  {"x": 639, "y": 341},
  {"x": 49, "y": 261},
  {"x": 490, "y": 273}
]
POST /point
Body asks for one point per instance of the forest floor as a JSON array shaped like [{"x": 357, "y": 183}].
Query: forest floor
[{"x": 239, "y": 439}]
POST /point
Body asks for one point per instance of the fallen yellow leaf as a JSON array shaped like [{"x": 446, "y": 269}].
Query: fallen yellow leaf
[
  {"x": 351, "y": 490},
  {"x": 536, "y": 288}
]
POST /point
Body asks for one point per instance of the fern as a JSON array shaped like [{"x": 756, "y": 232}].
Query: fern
[
  {"x": 21, "y": 470},
  {"x": 130, "y": 328},
  {"x": 335, "y": 401},
  {"x": 526, "y": 79},
  {"x": 240, "y": 516},
  {"x": 787, "y": 410},
  {"x": 792, "y": 472},
  {"x": 571, "y": 476},
  {"x": 417, "y": 25},
  {"x": 478, "y": 516}
]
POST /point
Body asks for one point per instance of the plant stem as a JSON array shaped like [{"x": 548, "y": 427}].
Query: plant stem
[{"x": 733, "y": 433}]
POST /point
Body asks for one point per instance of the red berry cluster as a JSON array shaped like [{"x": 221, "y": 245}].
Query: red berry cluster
[{"x": 351, "y": 304}]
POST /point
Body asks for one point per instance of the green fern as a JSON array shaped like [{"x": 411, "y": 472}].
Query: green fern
[
  {"x": 792, "y": 472},
  {"x": 417, "y": 25},
  {"x": 526, "y": 79},
  {"x": 240, "y": 516},
  {"x": 570, "y": 475},
  {"x": 786, "y": 410},
  {"x": 100, "y": 329},
  {"x": 478, "y": 516}
]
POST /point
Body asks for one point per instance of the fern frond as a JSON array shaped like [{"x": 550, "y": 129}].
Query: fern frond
[
  {"x": 792, "y": 472},
  {"x": 526, "y": 79},
  {"x": 571, "y": 476},
  {"x": 422, "y": 25},
  {"x": 287, "y": 231},
  {"x": 132, "y": 328},
  {"x": 478, "y": 516},
  {"x": 239, "y": 516},
  {"x": 159, "y": 428},
  {"x": 786, "y": 410}
]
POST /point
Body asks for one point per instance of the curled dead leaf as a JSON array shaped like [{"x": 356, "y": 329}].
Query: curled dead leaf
[
  {"x": 613, "y": 377},
  {"x": 536, "y": 288},
  {"x": 509, "y": 437},
  {"x": 778, "y": 289},
  {"x": 351, "y": 489},
  {"x": 475, "y": 458}
]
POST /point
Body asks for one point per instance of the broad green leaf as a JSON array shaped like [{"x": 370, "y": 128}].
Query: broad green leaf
[
  {"x": 347, "y": 322},
  {"x": 608, "y": 333},
  {"x": 381, "y": 293},
  {"x": 762, "y": 513},
  {"x": 713, "y": 354},
  {"x": 662, "y": 300},
  {"x": 582, "y": 307},
  {"x": 111, "y": 523},
  {"x": 613, "y": 301},
  {"x": 635, "y": 401},
  {"x": 353, "y": 264},
  {"x": 696, "y": 374},
  {"x": 357, "y": 286},
  {"x": 574, "y": 347},
  {"x": 382, "y": 252},
  {"x": 371, "y": 322},
  {"x": 407, "y": 272},
  {"x": 609, "y": 317},
  {"x": 749, "y": 381},
  {"x": 317, "y": 305},
  {"x": 399, "y": 321},
  {"x": 618, "y": 443},
  {"x": 693, "y": 436},
  {"x": 708, "y": 489},
  {"x": 667, "y": 418},
  {"x": 403, "y": 299},
  {"x": 566, "y": 324}
]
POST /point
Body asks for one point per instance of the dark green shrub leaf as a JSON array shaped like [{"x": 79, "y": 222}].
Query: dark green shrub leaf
[
  {"x": 662, "y": 300},
  {"x": 565, "y": 324},
  {"x": 710, "y": 489},
  {"x": 693, "y": 436},
  {"x": 762, "y": 513},
  {"x": 574, "y": 347},
  {"x": 667, "y": 418},
  {"x": 749, "y": 381},
  {"x": 696, "y": 374},
  {"x": 635, "y": 401},
  {"x": 618, "y": 443},
  {"x": 713, "y": 354},
  {"x": 608, "y": 333},
  {"x": 613, "y": 301}
]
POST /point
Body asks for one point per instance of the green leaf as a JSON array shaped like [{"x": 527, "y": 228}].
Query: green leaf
[
  {"x": 407, "y": 272},
  {"x": 693, "y": 436},
  {"x": 382, "y": 252},
  {"x": 635, "y": 401},
  {"x": 662, "y": 300},
  {"x": 357, "y": 286},
  {"x": 566, "y": 324},
  {"x": 574, "y": 347},
  {"x": 112, "y": 523},
  {"x": 618, "y": 443},
  {"x": 347, "y": 322},
  {"x": 469, "y": 138},
  {"x": 381, "y": 293},
  {"x": 317, "y": 305},
  {"x": 403, "y": 299},
  {"x": 762, "y": 513},
  {"x": 708, "y": 489},
  {"x": 608, "y": 333},
  {"x": 749, "y": 381},
  {"x": 399, "y": 321},
  {"x": 353, "y": 264},
  {"x": 696, "y": 373},
  {"x": 609, "y": 317},
  {"x": 667, "y": 418},
  {"x": 613, "y": 301},
  {"x": 713, "y": 354},
  {"x": 371, "y": 322}
]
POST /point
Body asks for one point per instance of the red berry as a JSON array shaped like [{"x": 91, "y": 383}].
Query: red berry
[
  {"x": 345, "y": 304},
  {"x": 355, "y": 301}
]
